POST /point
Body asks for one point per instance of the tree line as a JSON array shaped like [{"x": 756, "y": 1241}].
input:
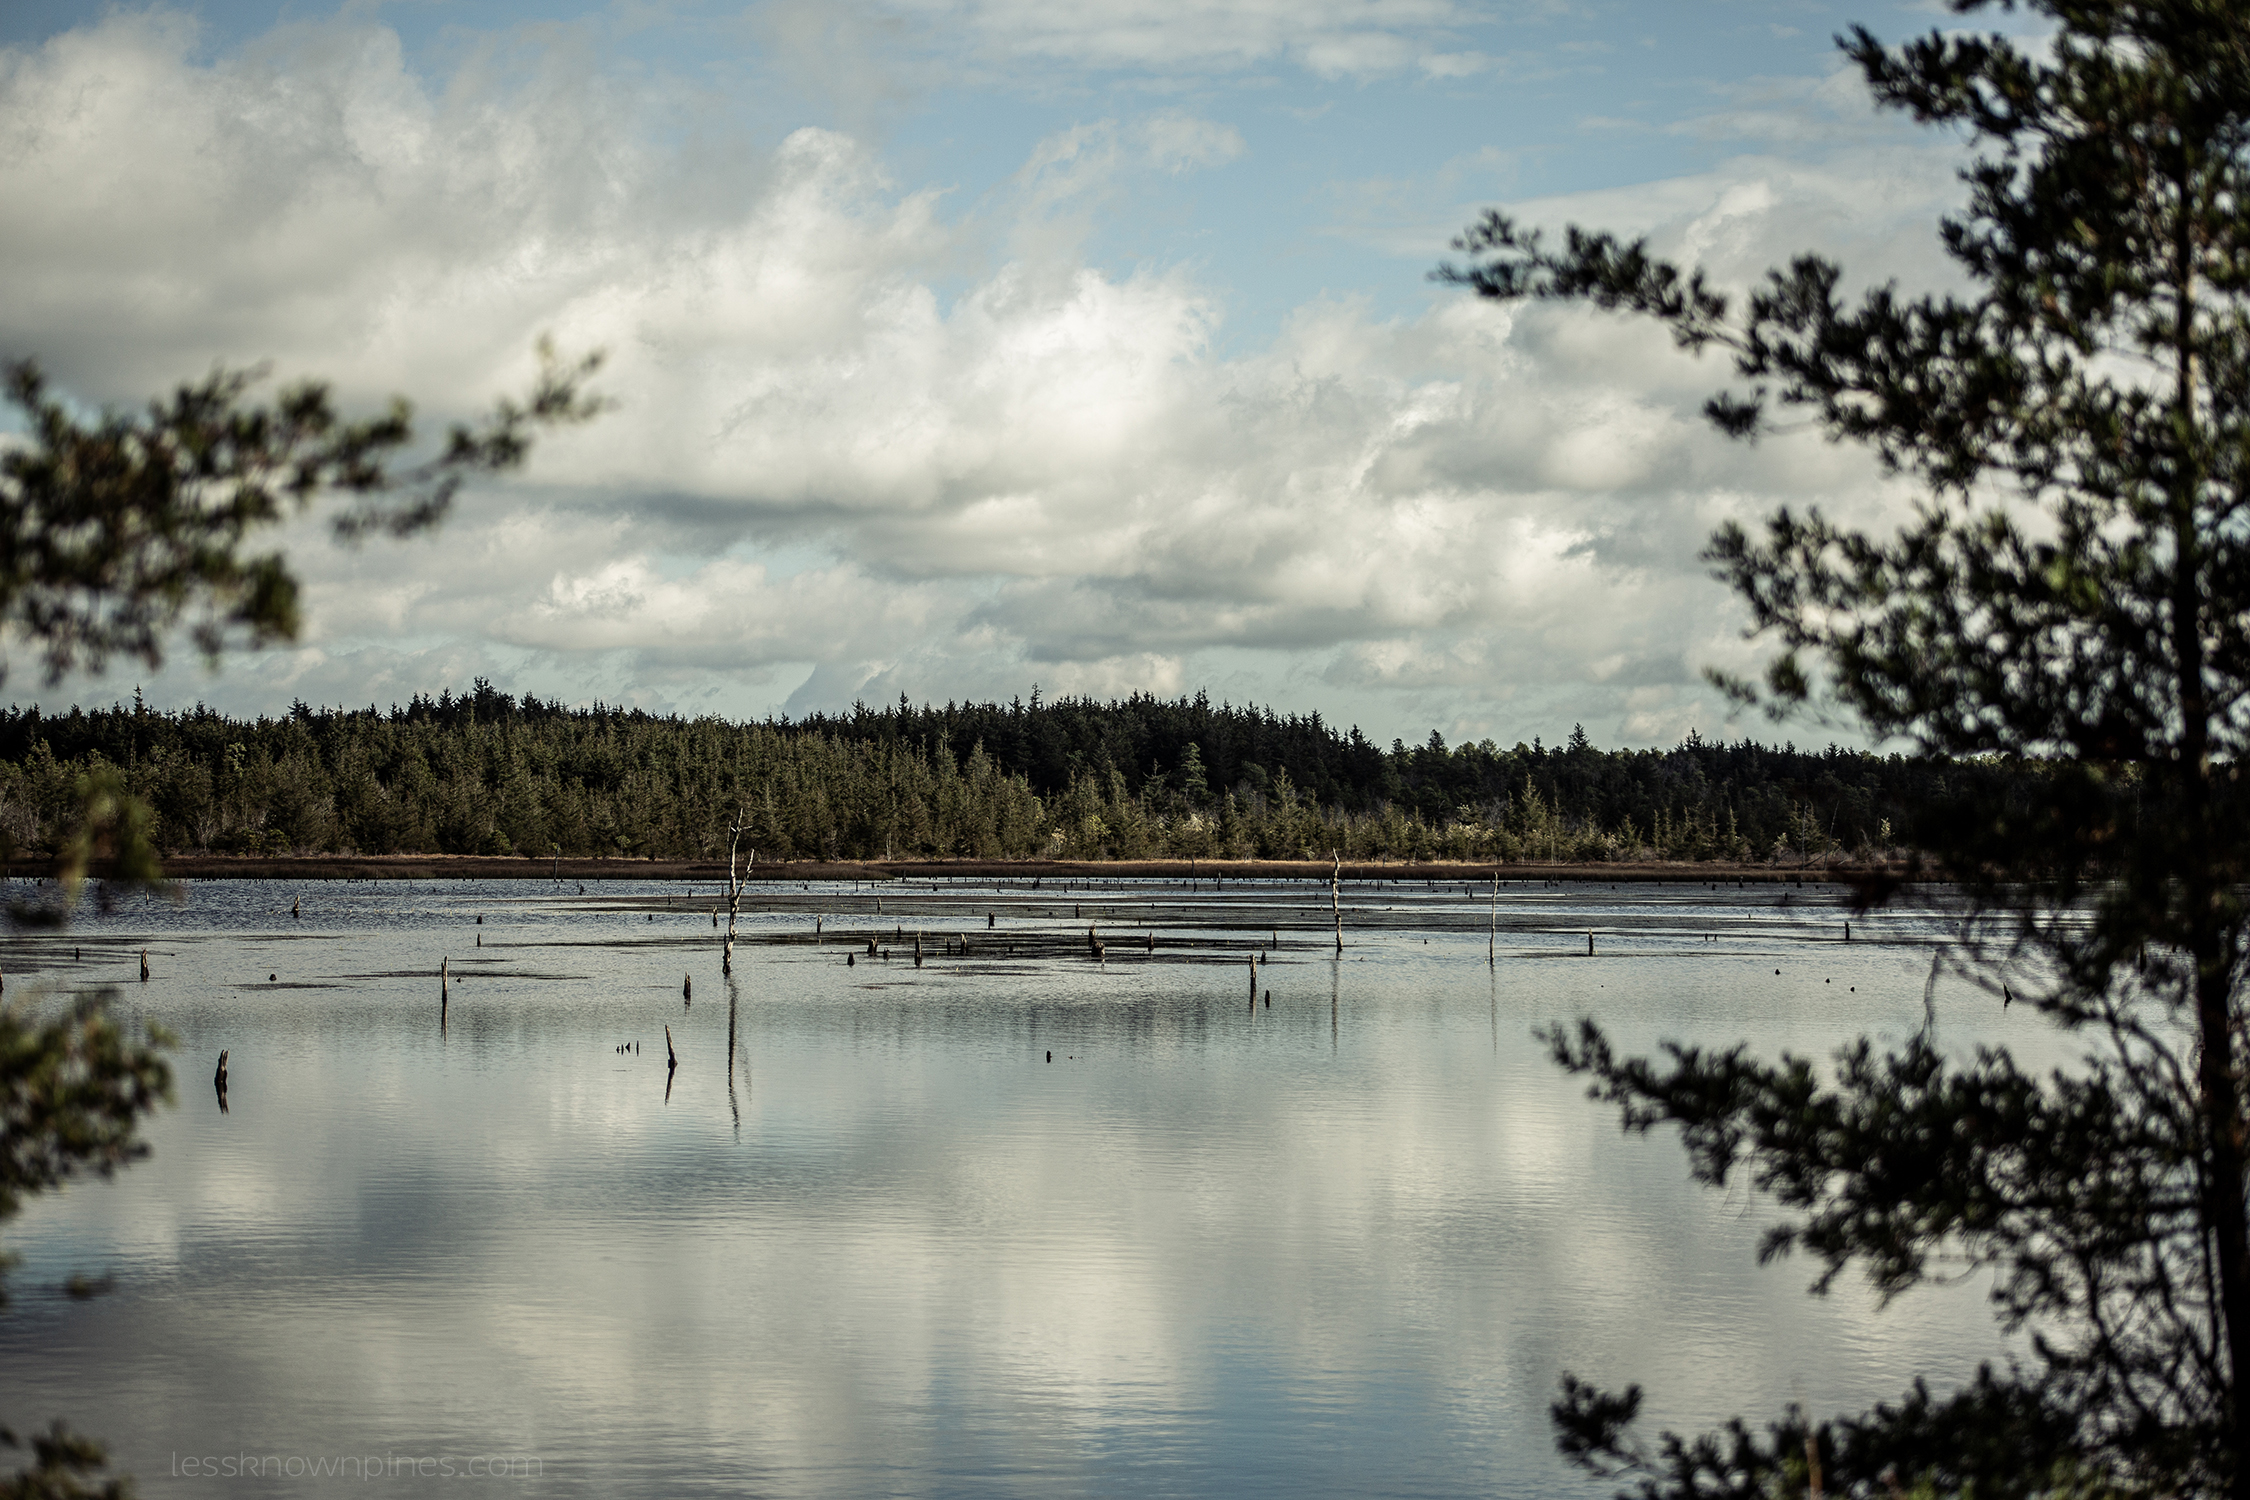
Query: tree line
[{"x": 484, "y": 772}]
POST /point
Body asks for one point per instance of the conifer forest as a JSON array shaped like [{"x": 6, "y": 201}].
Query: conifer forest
[{"x": 487, "y": 773}]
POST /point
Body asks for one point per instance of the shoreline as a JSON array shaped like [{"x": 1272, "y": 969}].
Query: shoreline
[{"x": 512, "y": 867}]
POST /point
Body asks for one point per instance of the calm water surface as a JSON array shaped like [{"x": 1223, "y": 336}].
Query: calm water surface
[{"x": 1344, "y": 1244}]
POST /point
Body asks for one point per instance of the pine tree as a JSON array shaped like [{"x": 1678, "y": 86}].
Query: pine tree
[
  {"x": 112, "y": 531},
  {"x": 2070, "y": 596}
]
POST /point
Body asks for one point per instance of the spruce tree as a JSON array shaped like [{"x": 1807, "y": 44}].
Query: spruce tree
[{"x": 2071, "y": 595}]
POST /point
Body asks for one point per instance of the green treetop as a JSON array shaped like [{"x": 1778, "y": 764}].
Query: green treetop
[{"x": 2072, "y": 588}]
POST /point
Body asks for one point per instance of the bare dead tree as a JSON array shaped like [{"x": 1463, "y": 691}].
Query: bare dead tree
[{"x": 735, "y": 883}]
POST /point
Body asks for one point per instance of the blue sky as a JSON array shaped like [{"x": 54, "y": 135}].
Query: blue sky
[{"x": 959, "y": 347}]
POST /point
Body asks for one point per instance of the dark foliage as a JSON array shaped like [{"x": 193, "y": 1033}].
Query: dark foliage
[
  {"x": 485, "y": 772},
  {"x": 114, "y": 530},
  {"x": 2071, "y": 599}
]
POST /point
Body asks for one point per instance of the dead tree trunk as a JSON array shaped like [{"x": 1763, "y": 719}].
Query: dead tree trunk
[
  {"x": 735, "y": 883},
  {"x": 1336, "y": 896}
]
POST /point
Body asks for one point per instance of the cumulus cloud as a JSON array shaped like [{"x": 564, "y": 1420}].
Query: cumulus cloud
[{"x": 857, "y": 451}]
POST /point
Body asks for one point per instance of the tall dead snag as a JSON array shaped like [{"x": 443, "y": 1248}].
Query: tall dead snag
[
  {"x": 1336, "y": 895},
  {"x": 735, "y": 883}
]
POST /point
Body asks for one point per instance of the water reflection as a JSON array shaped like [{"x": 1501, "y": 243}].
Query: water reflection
[{"x": 1193, "y": 1254}]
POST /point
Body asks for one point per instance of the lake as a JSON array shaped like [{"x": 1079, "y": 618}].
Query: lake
[{"x": 1342, "y": 1243}]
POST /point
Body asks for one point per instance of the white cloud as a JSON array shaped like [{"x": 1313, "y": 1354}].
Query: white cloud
[
  {"x": 987, "y": 472},
  {"x": 1179, "y": 143},
  {"x": 1328, "y": 37}
]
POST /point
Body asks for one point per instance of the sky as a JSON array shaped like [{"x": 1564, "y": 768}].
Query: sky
[{"x": 961, "y": 347}]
